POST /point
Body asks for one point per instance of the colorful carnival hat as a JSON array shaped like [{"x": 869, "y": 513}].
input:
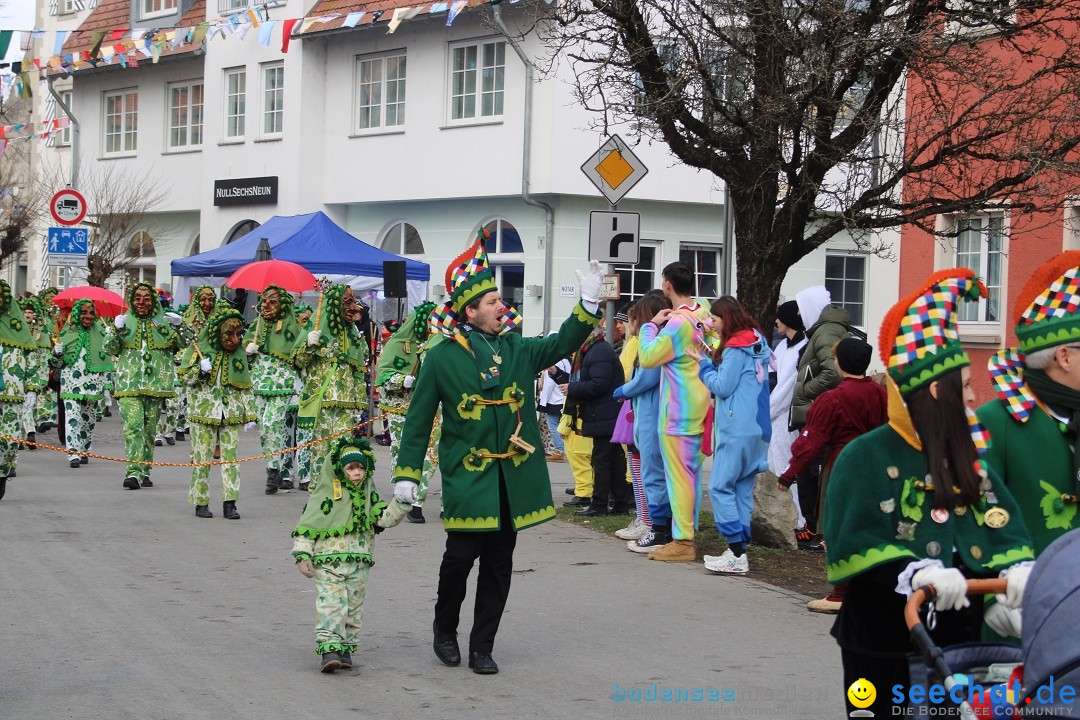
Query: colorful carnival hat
[
  {"x": 468, "y": 277},
  {"x": 919, "y": 342},
  {"x": 350, "y": 448},
  {"x": 1046, "y": 317}
]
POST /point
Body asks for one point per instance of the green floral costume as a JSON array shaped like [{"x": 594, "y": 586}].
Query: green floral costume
[
  {"x": 37, "y": 375},
  {"x": 219, "y": 402},
  {"x": 335, "y": 392},
  {"x": 16, "y": 349},
  {"x": 336, "y": 533},
  {"x": 145, "y": 377},
  {"x": 84, "y": 364},
  {"x": 275, "y": 380}
]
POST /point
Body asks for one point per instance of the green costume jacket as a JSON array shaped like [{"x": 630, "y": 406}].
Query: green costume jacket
[
  {"x": 223, "y": 395},
  {"x": 145, "y": 362},
  {"x": 876, "y": 514},
  {"x": 1035, "y": 460},
  {"x": 451, "y": 377}
]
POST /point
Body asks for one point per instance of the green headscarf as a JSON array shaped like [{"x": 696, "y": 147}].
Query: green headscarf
[
  {"x": 337, "y": 339},
  {"x": 14, "y": 331},
  {"x": 74, "y": 337},
  {"x": 402, "y": 351},
  {"x": 158, "y": 333},
  {"x": 237, "y": 373},
  {"x": 194, "y": 317},
  {"x": 278, "y": 337}
]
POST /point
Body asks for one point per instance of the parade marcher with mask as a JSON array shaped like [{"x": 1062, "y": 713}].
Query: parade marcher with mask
[
  {"x": 494, "y": 475},
  {"x": 216, "y": 373},
  {"x": 144, "y": 345},
  {"x": 16, "y": 347},
  {"x": 331, "y": 359},
  {"x": 399, "y": 364},
  {"x": 84, "y": 361},
  {"x": 37, "y": 371},
  {"x": 172, "y": 418},
  {"x": 269, "y": 344},
  {"x": 46, "y": 414}
]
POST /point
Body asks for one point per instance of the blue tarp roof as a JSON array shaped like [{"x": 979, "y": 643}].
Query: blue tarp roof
[{"x": 311, "y": 240}]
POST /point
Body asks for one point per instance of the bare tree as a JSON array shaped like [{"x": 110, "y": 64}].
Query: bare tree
[
  {"x": 21, "y": 201},
  {"x": 806, "y": 109}
]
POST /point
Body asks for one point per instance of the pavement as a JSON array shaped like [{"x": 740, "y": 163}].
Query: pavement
[{"x": 121, "y": 604}]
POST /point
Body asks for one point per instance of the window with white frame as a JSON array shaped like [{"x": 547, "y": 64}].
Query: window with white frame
[
  {"x": 402, "y": 239},
  {"x": 185, "y": 115},
  {"x": 63, "y": 139},
  {"x": 477, "y": 75},
  {"x": 506, "y": 256},
  {"x": 705, "y": 262},
  {"x": 121, "y": 121},
  {"x": 273, "y": 99},
  {"x": 636, "y": 280},
  {"x": 228, "y": 6},
  {"x": 380, "y": 91},
  {"x": 845, "y": 279},
  {"x": 156, "y": 8},
  {"x": 235, "y": 103},
  {"x": 68, "y": 6},
  {"x": 980, "y": 246}
]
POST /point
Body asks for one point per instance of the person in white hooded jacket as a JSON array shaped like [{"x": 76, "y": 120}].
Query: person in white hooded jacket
[{"x": 784, "y": 362}]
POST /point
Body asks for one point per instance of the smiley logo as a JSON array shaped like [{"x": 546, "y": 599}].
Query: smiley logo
[{"x": 862, "y": 693}]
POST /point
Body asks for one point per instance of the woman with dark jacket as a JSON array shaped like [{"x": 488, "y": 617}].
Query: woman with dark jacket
[{"x": 594, "y": 375}]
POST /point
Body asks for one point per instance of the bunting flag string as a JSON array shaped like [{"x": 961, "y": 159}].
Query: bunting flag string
[{"x": 31, "y": 131}]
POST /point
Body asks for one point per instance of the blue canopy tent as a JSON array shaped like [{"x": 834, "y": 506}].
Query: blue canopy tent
[{"x": 313, "y": 241}]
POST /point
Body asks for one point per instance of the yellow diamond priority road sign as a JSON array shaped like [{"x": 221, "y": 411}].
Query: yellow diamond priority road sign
[{"x": 614, "y": 169}]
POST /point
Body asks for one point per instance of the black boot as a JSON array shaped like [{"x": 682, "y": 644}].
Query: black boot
[
  {"x": 75, "y": 463},
  {"x": 180, "y": 435},
  {"x": 229, "y": 509},
  {"x": 32, "y": 437},
  {"x": 416, "y": 515},
  {"x": 203, "y": 511},
  {"x": 3, "y": 487},
  {"x": 331, "y": 661},
  {"x": 146, "y": 481},
  {"x": 132, "y": 483},
  {"x": 286, "y": 484},
  {"x": 273, "y": 480}
]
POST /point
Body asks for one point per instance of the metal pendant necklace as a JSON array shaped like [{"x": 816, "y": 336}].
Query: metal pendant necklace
[{"x": 494, "y": 354}]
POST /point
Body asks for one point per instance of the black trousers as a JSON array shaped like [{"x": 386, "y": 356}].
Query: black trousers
[
  {"x": 496, "y": 553},
  {"x": 609, "y": 476},
  {"x": 808, "y": 495}
]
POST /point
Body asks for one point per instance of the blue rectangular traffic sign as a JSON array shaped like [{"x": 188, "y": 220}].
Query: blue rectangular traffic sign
[{"x": 68, "y": 241}]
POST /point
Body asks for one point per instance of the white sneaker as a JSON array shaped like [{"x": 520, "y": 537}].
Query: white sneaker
[
  {"x": 633, "y": 531},
  {"x": 646, "y": 543},
  {"x": 727, "y": 563}
]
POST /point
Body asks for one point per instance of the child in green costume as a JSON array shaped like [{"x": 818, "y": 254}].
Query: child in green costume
[{"x": 333, "y": 543}]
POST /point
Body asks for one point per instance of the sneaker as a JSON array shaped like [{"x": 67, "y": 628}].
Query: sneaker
[
  {"x": 159, "y": 442},
  {"x": 727, "y": 564},
  {"x": 556, "y": 457},
  {"x": 811, "y": 542},
  {"x": 416, "y": 515},
  {"x": 829, "y": 605},
  {"x": 675, "y": 551},
  {"x": 647, "y": 543},
  {"x": 633, "y": 531}
]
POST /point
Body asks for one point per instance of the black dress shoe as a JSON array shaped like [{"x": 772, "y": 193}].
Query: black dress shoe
[
  {"x": 482, "y": 663},
  {"x": 591, "y": 512},
  {"x": 577, "y": 501},
  {"x": 132, "y": 483},
  {"x": 446, "y": 647},
  {"x": 84, "y": 460}
]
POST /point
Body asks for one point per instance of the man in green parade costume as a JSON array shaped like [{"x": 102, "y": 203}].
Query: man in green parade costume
[
  {"x": 269, "y": 345},
  {"x": 195, "y": 316},
  {"x": 395, "y": 377},
  {"x": 494, "y": 481},
  {"x": 215, "y": 371},
  {"x": 84, "y": 363},
  {"x": 144, "y": 345},
  {"x": 16, "y": 348},
  {"x": 331, "y": 359},
  {"x": 37, "y": 373},
  {"x": 1035, "y": 420},
  {"x": 173, "y": 413}
]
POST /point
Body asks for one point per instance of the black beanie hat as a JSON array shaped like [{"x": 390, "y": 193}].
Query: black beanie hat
[
  {"x": 788, "y": 313},
  {"x": 853, "y": 356}
]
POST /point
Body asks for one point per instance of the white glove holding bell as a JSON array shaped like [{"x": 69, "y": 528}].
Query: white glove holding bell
[
  {"x": 205, "y": 365},
  {"x": 120, "y": 322},
  {"x": 1016, "y": 579},
  {"x": 408, "y": 382},
  {"x": 251, "y": 348},
  {"x": 1003, "y": 620},
  {"x": 313, "y": 338},
  {"x": 405, "y": 491},
  {"x": 173, "y": 318},
  {"x": 591, "y": 282},
  {"x": 58, "y": 349},
  {"x": 949, "y": 583}
]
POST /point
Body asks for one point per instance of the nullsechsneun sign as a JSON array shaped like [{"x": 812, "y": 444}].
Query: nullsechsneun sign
[{"x": 246, "y": 191}]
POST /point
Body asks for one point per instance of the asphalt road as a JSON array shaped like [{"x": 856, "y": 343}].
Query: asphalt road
[{"x": 121, "y": 604}]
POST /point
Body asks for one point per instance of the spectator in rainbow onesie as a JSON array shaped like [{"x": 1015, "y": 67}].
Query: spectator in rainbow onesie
[{"x": 684, "y": 404}]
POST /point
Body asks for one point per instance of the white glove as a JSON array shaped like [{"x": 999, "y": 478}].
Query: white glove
[
  {"x": 405, "y": 491},
  {"x": 31, "y": 397},
  {"x": 173, "y": 319},
  {"x": 205, "y": 365},
  {"x": 591, "y": 283},
  {"x": 408, "y": 382},
  {"x": 120, "y": 322},
  {"x": 313, "y": 338},
  {"x": 251, "y": 348},
  {"x": 1016, "y": 579},
  {"x": 950, "y": 584},
  {"x": 298, "y": 386},
  {"x": 248, "y": 427},
  {"x": 1003, "y": 620},
  {"x": 58, "y": 349}
]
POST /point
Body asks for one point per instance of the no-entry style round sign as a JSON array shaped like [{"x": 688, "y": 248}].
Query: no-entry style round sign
[{"x": 68, "y": 207}]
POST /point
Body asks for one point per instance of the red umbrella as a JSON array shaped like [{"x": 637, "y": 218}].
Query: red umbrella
[
  {"x": 257, "y": 275},
  {"x": 106, "y": 302}
]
